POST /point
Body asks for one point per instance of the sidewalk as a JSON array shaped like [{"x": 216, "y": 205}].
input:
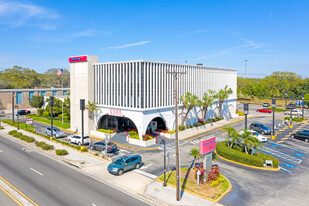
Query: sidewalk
[{"x": 133, "y": 182}]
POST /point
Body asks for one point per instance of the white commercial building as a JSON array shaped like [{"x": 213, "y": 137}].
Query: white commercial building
[{"x": 137, "y": 94}]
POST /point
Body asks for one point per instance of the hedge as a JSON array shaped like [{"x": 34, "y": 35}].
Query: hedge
[
  {"x": 19, "y": 135},
  {"x": 257, "y": 159},
  {"x": 15, "y": 124},
  {"x": 44, "y": 145},
  {"x": 61, "y": 152},
  {"x": 106, "y": 131},
  {"x": 295, "y": 119}
]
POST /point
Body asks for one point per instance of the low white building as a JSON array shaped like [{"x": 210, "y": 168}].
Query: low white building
[{"x": 137, "y": 94}]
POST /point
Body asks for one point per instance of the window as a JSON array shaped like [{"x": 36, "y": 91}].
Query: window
[
  {"x": 31, "y": 95},
  {"x": 18, "y": 98},
  {"x": 43, "y": 93},
  {"x": 64, "y": 93},
  {"x": 54, "y": 93}
]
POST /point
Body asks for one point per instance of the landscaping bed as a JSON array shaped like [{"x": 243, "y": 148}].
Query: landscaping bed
[
  {"x": 188, "y": 183},
  {"x": 57, "y": 123},
  {"x": 236, "y": 154}
]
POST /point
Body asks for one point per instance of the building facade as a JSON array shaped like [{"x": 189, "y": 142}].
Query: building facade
[{"x": 139, "y": 94}]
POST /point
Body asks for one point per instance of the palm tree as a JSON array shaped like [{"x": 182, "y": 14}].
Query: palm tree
[
  {"x": 248, "y": 139},
  {"x": 222, "y": 95},
  {"x": 185, "y": 101},
  {"x": 256, "y": 144},
  {"x": 195, "y": 153},
  {"x": 208, "y": 99},
  {"x": 192, "y": 101},
  {"x": 232, "y": 136},
  {"x": 92, "y": 108}
]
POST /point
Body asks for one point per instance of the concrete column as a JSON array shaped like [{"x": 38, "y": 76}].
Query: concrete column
[{"x": 82, "y": 87}]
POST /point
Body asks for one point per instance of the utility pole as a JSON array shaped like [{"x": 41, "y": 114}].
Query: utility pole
[
  {"x": 13, "y": 94},
  {"x": 273, "y": 105},
  {"x": 82, "y": 108},
  {"x": 302, "y": 104},
  {"x": 175, "y": 74},
  {"x": 245, "y": 68},
  {"x": 246, "y": 111},
  {"x": 51, "y": 104},
  {"x": 291, "y": 101}
]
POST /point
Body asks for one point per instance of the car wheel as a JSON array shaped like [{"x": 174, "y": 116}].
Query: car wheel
[
  {"x": 257, "y": 111},
  {"x": 70, "y": 141},
  {"x": 306, "y": 140},
  {"x": 137, "y": 166},
  {"x": 120, "y": 172},
  {"x": 46, "y": 134},
  {"x": 292, "y": 136},
  {"x": 91, "y": 147}
]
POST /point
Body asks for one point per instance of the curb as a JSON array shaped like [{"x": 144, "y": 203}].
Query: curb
[
  {"x": 254, "y": 167},
  {"x": 207, "y": 198}
]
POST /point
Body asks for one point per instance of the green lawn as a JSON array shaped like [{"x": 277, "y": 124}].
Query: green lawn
[{"x": 55, "y": 122}]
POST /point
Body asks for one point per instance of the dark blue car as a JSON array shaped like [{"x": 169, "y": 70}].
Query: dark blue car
[
  {"x": 125, "y": 163},
  {"x": 260, "y": 128}
]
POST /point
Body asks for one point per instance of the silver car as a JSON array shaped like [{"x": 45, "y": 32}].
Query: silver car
[{"x": 57, "y": 132}]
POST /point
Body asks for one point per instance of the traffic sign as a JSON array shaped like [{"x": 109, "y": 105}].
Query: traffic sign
[{"x": 29, "y": 121}]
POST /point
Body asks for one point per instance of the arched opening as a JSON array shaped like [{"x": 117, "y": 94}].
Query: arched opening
[
  {"x": 156, "y": 125},
  {"x": 120, "y": 123}
]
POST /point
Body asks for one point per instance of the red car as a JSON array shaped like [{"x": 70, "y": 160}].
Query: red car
[{"x": 265, "y": 110}]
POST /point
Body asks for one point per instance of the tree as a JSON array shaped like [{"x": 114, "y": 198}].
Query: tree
[
  {"x": 207, "y": 101},
  {"x": 92, "y": 108},
  {"x": 194, "y": 152},
  {"x": 192, "y": 102},
  {"x": 248, "y": 139},
  {"x": 185, "y": 100},
  {"x": 232, "y": 136},
  {"x": 256, "y": 144},
  {"x": 306, "y": 98},
  {"x": 19, "y": 77},
  {"x": 222, "y": 95},
  {"x": 51, "y": 79},
  {"x": 37, "y": 101}
]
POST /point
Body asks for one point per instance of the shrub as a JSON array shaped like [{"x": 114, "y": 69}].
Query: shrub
[
  {"x": 220, "y": 178},
  {"x": 109, "y": 131},
  {"x": 256, "y": 160},
  {"x": 47, "y": 147},
  {"x": 84, "y": 150},
  {"x": 96, "y": 154},
  {"x": 40, "y": 111},
  {"x": 214, "y": 173},
  {"x": 295, "y": 119},
  {"x": 240, "y": 113},
  {"x": 199, "y": 124},
  {"x": 170, "y": 132},
  {"x": 61, "y": 152},
  {"x": 195, "y": 125},
  {"x": 214, "y": 183},
  {"x": 181, "y": 128},
  {"x": 147, "y": 137},
  {"x": 132, "y": 133},
  {"x": 1, "y": 127},
  {"x": 189, "y": 127}
]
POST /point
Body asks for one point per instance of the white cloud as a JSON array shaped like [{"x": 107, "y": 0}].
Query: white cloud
[
  {"x": 91, "y": 32},
  {"x": 17, "y": 14},
  {"x": 129, "y": 45}
]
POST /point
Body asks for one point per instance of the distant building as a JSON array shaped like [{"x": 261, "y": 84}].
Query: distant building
[
  {"x": 139, "y": 94},
  {"x": 22, "y": 96}
]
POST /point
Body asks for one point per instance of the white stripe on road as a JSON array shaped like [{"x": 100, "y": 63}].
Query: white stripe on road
[
  {"x": 1, "y": 150},
  {"x": 145, "y": 174},
  {"x": 145, "y": 167},
  {"x": 36, "y": 171},
  {"x": 93, "y": 204}
]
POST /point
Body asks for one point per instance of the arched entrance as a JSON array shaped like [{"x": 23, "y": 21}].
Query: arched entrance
[
  {"x": 120, "y": 123},
  {"x": 156, "y": 125}
]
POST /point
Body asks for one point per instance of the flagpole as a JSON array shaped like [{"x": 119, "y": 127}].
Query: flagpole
[{"x": 62, "y": 95}]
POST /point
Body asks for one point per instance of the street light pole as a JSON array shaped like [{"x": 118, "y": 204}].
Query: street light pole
[
  {"x": 82, "y": 108},
  {"x": 286, "y": 96},
  {"x": 302, "y": 104},
  {"x": 274, "y": 105},
  {"x": 164, "y": 183},
  {"x": 51, "y": 104},
  {"x": 291, "y": 101},
  {"x": 13, "y": 94},
  {"x": 246, "y": 111}
]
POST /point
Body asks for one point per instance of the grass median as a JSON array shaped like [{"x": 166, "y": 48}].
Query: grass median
[{"x": 55, "y": 122}]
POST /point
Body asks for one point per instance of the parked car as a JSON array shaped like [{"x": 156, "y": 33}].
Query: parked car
[
  {"x": 99, "y": 146},
  {"x": 22, "y": 112},
  {"x": 301, "y": 135},
  {"x": 266, "y": 105},
  {"x": 265, "y": 110},
  {"x": 56, "y": 132},
  {"x": 260, "y": 128},
  {"x": 290, "y": 106},
  {"x": 125, "y": 163},
  {"x": 295, "y": 112},
  {"x": 260, "y": 137},
  {"x": 77, "y": 139}
]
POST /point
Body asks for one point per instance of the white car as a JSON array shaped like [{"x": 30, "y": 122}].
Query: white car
[
  {"x": 295, "y": 112},
  {"x": 260, "y": 137},
  {"x": 77, "y": 139}
]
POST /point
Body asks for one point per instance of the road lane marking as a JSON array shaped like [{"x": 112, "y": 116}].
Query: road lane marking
[
  {"x": 36, "y": 171},
  {"x": 93, "y": 204},
  {"x": 1, "y": 150},
  {"x": 288, "y": 147},
  {"x": 145, "y": 174},
  {"x": 286, "y": 169},
  {"x": 146, "y": 166},
  {"x": 12, "y": 197},
  {"x": 18, "y": 191}
]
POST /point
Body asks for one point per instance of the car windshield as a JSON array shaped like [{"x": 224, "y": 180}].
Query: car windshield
[
  {"x": 86, "y": 137},
  {"x": 120, "y": 161},
  {"x": 255, "y": 133},
  {"x": 57, "y": 129}
]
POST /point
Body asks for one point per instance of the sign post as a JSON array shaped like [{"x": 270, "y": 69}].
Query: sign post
[{"x": 207, "y": 146}]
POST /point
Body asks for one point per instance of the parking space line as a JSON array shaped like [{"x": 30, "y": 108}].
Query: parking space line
[
  {"x": 282, "y": 155},
  {"x": 285, "y": 169},
  {"x": 289, "y": 147},
  {"x": 280, "y": 141}
]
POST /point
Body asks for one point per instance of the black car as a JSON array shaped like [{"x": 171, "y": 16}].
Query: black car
[
  {"x": 260, "y": 128},
  {"x": 23, "y": 112},
  {"x": 301, "y": 135},
  {"x": 290, "y": 106},
  {"x": 99, "y": 146}
]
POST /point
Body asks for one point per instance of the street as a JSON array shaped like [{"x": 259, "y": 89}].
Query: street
[{"x": 48, "y": 182}]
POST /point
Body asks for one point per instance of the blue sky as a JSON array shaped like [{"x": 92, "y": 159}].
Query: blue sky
[{"x": 271, "y": 34}]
